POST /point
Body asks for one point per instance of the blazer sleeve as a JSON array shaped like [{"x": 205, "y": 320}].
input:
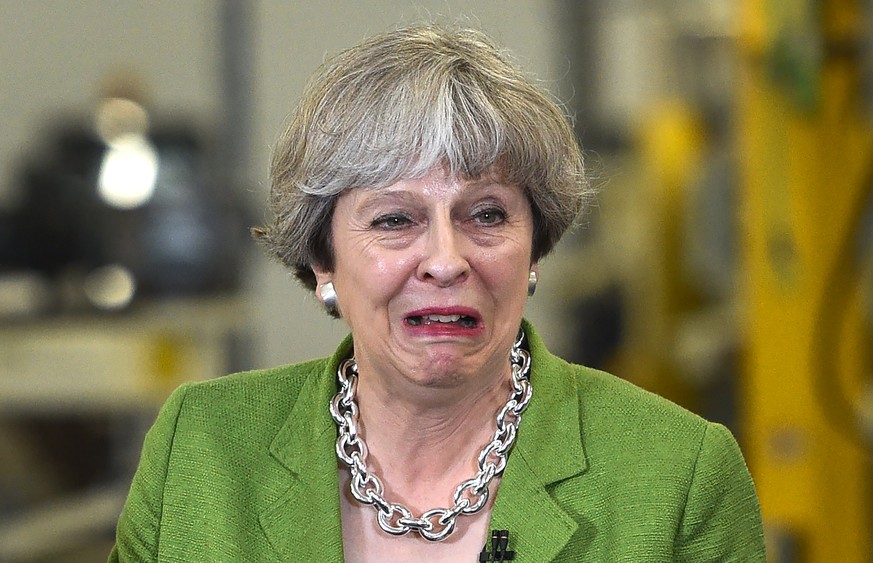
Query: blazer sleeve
[
  {"x": 722, "y": 519},
  {"x": 138, "y": 532}
]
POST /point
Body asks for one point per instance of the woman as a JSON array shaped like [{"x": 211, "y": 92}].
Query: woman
[{"x": 418, "y": 184}]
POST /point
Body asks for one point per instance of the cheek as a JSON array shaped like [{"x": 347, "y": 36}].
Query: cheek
[
  {"x": 513, "y": 258},
  {"x": 506, "y": 275},
  {"x": 512, "y": 273},
  {"x": 384, "y": 272}
]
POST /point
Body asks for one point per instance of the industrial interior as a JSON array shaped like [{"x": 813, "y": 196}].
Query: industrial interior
[{"x": 727, "y": 264}]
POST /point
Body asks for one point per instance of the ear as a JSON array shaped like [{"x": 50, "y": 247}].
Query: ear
[{"x": 535, "y": 267}]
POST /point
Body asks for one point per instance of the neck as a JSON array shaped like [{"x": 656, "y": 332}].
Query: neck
[
  {"x": 415, "y": 425},
  {"x": 422, "y": 449},
  {"x": 424, "y": 435},
  {"x": 422, "y": 476}
]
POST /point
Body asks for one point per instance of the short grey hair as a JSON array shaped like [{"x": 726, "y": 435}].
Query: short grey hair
[{"x": 399, "y": 105}]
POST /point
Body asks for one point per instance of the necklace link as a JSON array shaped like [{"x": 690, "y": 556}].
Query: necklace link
[{"x": 470, "y": 496}]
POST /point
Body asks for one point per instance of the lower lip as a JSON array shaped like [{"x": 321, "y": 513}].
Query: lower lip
[{"x": 443, "y": 329}]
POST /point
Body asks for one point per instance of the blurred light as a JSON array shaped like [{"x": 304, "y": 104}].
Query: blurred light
[
  {"x": 128, "y": 172},
  {"x": 23, "y": 293},
  {"x": 110, "y": 287},
  {"x": 130, "y": 165},
  {"x": 117, "y": 117}
]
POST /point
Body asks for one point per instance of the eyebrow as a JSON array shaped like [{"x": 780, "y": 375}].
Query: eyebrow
[
  {"x": 380, "y": 196},
  {"x": 386, "y": 195}
]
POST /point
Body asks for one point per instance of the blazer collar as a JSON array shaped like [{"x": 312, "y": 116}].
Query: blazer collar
[
  {"x": 548, "y": 449},
  {"x": 304, "y": 522}
]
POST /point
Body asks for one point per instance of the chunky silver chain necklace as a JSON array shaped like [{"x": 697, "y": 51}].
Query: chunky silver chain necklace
[{"x": 470, "y": 496}]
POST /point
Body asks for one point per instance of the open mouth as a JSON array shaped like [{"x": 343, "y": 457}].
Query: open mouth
[{"x": 463, "y": 321}]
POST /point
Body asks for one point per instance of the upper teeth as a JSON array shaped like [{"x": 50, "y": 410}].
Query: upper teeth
[{"x": 443, "y": 318}]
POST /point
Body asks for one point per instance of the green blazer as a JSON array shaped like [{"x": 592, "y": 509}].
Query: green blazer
[{"x": 243, "y": 469}]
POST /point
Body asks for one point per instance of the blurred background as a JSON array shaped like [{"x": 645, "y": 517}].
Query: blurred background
[{"x": 728, "y": 263}]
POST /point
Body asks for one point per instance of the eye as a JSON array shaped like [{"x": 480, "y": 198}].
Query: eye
[
  {"x": 391, "y": 221},
  {"x": 490, "y": 216}
]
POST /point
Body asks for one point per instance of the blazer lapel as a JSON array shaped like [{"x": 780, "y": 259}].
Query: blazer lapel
[
  {"x": 548, "y": 449},
  {"x": 304, "y": 523}
]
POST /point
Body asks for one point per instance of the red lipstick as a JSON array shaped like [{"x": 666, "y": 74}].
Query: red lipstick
[{"x": 444, "y": 321}]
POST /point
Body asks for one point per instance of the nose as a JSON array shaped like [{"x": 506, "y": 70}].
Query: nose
[{"x": 444, "y": 262}]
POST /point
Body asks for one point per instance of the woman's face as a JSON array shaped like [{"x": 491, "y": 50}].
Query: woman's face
[{"x": 431, "y": 275}]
